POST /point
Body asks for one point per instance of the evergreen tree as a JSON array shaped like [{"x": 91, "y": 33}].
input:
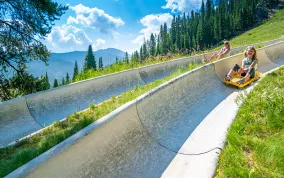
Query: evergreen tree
[
  {"x": 158, "y": 50},
  {"x": 200, "y": 34},
  {"x": 90, "y": 60},
  {"x": 126, "y": 58},
  {"x": 22, "y": 24},
  {"x": 165, "y": 39},
  {"x": 202, "y": 11},
  {"x": 67, "y": 78},
  {"x": 136, "y": 56},
  {"x": 63, "y": 81},
  {"x": 55, "y": 83},
  {"x": 46, "y": 83},
  {"x": 152, "y": 45},
  {"x": 101, "y": 63},
  {"x": 141, "y": 53},
  {"x": 178, "y": 33},
  {"x": 116, "y": 60},
  {"x": 76, "y": 71},
  {"x": 173, "y": 32},
  {"x": 202, "y": 29},
  {"x": 144, "y": 51}
]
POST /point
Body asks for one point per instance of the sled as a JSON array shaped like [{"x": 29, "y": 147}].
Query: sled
[{"x": 236, "y": 77}]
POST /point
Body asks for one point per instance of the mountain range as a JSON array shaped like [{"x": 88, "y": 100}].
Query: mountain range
[{"x": 61, "y": 63}]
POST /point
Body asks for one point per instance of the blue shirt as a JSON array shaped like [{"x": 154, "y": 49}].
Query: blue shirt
[{"x": 247, "y": 62}]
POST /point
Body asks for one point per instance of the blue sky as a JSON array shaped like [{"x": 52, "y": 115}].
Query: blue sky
[{"x": 121, "y": 24}]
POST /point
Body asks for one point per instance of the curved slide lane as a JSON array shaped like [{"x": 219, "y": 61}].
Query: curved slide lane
[
  {"x": 23, "y": 116},
  {"x": 141, "y": 138}
]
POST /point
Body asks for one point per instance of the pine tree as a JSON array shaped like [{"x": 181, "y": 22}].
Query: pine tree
[
  {"x": 126, "y": 58},
  {"x": 136, "y": 54},
  {"x": 165, "y": 39},
  {"x": 63, "y": 81},
  {"x": 202, "y": 11},
  {"x": 141, "y": 53},
  {"x": 183, "y": 31},
  {"x": 76, "y": 71},
  {"x": 47, "y": 84},
  {"x": 202, "y": 29},
  {"x": 216, "y": 29},
  {"x": 101, "y": 63},
  {"x": 90, "y": 60},
  {"x": 152, "y": 45},
  {"x": 22, "y": 24},
  {"x": 67, "y": 78},
  {"x": 116, "y": 60},
  {"x": 200, "y": 34},
  {"x": 55, "y": 83},
  {"x": 144, "y": 51},
  {"x": 158, "y": 50},
  {"x": 178, "y": 33},
  {"x": 173, "y": 31}
]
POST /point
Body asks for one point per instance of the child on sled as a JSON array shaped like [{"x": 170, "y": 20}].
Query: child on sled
[{"x": 248, "y": 68}]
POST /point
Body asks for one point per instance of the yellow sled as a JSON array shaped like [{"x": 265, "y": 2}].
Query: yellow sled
[{"x": 236, "y": 77}]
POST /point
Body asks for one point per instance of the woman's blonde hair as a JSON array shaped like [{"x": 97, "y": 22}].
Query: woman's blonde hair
[
  {"x": 229, "y": 44},
  {"x": 250, "y": 48}
]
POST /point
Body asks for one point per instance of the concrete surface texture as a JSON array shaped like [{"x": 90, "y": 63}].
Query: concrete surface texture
[
  {"x": 142, "y": 138},
  {"x": 43, "y": 108}
]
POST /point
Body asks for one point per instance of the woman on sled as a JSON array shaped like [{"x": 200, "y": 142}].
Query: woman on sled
[
  {"x": 248, "y": 68},
  {"x": 223, "y": 52}
]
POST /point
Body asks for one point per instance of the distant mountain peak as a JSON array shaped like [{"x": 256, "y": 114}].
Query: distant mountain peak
[{"x": 61, "y": 63}]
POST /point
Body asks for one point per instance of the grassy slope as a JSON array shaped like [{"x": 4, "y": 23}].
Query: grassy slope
[
  {"x": 255, "y": 141},
  {"x": 272, "y": 28}
]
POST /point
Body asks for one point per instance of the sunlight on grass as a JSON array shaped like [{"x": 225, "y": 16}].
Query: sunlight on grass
[{"x": 255, "y": 140}]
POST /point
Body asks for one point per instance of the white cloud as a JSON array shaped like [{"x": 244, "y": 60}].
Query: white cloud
[
  {"x": 152, "y": 23},
  {"x": 182, "y": 5},
  {"x": 67, "y": 38},
  {"x": 99, "y": 44},
  {"x": 95, "y": 18}
]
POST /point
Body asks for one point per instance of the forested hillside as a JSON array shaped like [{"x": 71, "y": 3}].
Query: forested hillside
[{"x": 206, "y": 28}]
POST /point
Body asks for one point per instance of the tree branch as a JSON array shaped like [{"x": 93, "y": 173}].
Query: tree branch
[
  {"x": 14, "y": 6},
  {"x": 7, "y": 62},
  {"x": 20, "y": 32}
]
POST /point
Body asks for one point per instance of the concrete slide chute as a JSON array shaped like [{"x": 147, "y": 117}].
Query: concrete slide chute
[
  {"x": 141, "y": 138},
  {"x": 56, "y": 104},
  {"x": 157, "y": 71},
  {"x": 15, "y": 121},
  {"x": 170, "y": 114},
  {"x": 276, "y": 53},
  {"x": 118, "y": 148}
]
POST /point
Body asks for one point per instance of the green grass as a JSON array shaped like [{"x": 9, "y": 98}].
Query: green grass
[
  {"x": 270, "y": 29},
  {"x": 255, "y": 140},
  {"x": 15, "y": 156}
]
